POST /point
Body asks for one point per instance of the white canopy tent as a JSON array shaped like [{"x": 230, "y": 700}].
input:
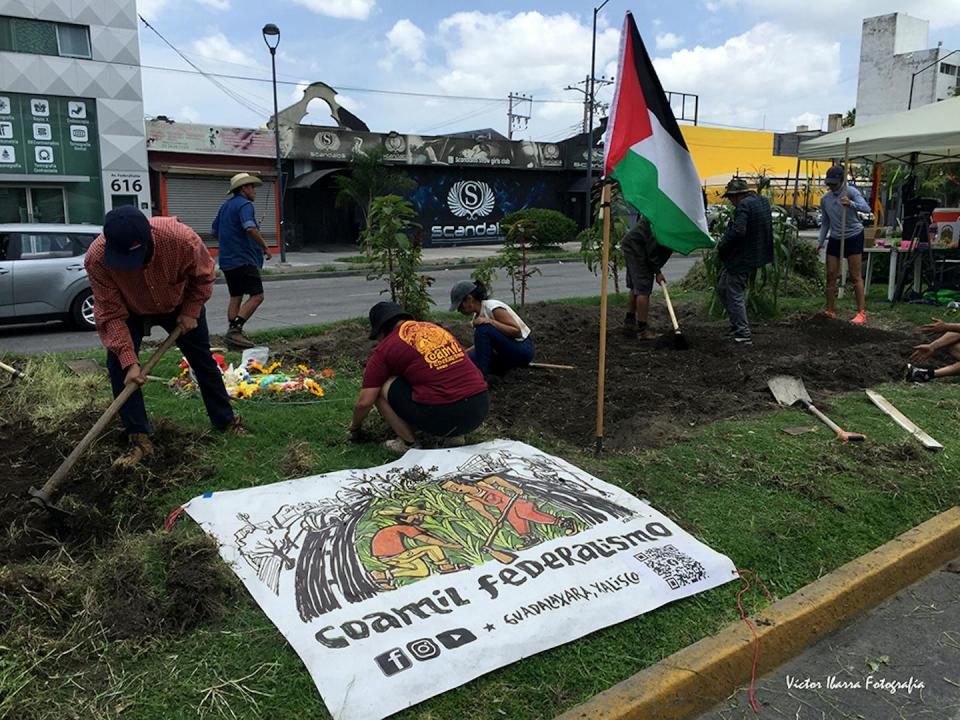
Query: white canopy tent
[{"x": 927, "y": 134}]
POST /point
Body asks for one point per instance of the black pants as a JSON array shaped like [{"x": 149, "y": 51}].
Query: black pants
[{"x": 195, "y": 346}]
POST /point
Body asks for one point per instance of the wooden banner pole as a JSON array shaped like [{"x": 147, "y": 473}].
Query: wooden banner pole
[{"x": 605, "y": 269}]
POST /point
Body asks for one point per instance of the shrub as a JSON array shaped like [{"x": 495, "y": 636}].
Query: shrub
[{"x": 552, "y": 227}]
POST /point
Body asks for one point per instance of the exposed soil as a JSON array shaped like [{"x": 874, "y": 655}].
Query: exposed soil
[
  {"x": 102, "y": 499},
  {"x": 655, "y": 394}
]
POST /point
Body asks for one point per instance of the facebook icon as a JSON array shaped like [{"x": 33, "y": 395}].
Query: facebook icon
[{"x": 393, "y": 661}]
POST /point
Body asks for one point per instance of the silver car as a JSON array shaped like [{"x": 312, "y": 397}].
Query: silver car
[{"x": 42, "y": 275}]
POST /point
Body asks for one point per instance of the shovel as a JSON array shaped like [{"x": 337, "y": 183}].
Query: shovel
[
  {"x": 44, "y": 496},
  {"x": 790, "y": 392},
  {"x": 679, "y": 341}
]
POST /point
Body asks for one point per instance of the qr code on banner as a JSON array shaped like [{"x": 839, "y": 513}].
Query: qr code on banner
[{"x": 676, "y": 568}]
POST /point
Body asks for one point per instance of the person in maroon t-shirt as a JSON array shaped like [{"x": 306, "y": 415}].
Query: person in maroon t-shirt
[{"x": 420, "y": 378}]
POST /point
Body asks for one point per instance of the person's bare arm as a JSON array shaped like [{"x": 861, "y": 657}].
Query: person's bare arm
[
  {"x": 506, "y": 485},
  {"x": 365, "y": 401},
  {"x": 502, "y": 321},
  {"x": 936, "y": 325},
  {"x": 258, "y": 238}
]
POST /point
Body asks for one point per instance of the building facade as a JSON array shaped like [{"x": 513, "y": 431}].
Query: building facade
[
  {"x": 72, "y": 142},
  {"x": 895, "y": 50}
]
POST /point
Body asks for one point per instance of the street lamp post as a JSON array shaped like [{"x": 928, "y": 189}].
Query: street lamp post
[
  {"x": 914, "y": 75},
  {"x": 592, "y": 98},
  {"x": 272, "y": 32}
]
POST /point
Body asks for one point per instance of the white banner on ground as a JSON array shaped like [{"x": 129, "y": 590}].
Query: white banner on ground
[{"x": 397, "y": 583}]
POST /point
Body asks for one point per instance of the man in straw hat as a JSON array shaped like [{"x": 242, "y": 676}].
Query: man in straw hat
[
  {"x": 747, "y": 244},
  {"x": 242, "y": 251},
  {"x": 145, "y": 272},
  {"x": 389, "y": 547}
]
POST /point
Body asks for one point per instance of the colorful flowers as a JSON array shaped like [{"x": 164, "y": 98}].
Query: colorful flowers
[{"x": 259, "y": 379}]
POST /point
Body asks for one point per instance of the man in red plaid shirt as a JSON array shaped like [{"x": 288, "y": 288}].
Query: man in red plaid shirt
[{"x": 146, "y": 272}]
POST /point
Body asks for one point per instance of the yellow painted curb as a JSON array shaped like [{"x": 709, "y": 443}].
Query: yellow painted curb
[{"x": 699, "y": 676}]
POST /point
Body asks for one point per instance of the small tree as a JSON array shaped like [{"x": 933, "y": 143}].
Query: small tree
[
  {"x": 591, "y": 239},
  {"x": 395, "y": 255},
  {"x": 512, "y": 258},
  {"x": 370, "y": 178},
  {"x": 484, "y": 272}
]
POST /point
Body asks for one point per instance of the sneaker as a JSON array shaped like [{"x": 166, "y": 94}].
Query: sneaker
[
  {"x": 647, "y": 334},
  {"x": 141, "y": 448},
  {"x": 917, "y": 374},
  {"x": 742, "y": 340},
  {"x": 830, "y": 314},
  {"x": 859, "y": 319},
  {"x": 398, "y": 446},
  {"x": 236, "y": 340}
]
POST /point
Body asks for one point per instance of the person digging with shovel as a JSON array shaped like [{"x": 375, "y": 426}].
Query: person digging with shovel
[
  {"x": 145, "y": 272},
  {"x": 644, "y": 258},
  {"x": 840, "y": 219},
  {"x": 949, "y": 341}
]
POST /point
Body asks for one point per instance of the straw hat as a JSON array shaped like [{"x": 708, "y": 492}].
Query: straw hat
[{"x": 241, "y": 179}]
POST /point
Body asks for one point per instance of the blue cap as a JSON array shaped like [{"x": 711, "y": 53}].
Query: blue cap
[{"x": 126, "y": 231}]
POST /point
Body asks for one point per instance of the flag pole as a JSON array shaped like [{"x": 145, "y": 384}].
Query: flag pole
[
  {"x": 605, "y": 269},
  {"x": 843, "y": 218}
]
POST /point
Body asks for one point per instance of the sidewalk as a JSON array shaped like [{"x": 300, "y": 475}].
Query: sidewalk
[{"x": 900, "y": 660}]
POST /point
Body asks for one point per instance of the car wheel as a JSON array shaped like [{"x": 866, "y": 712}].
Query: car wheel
[{"x": 81, "y": 311}]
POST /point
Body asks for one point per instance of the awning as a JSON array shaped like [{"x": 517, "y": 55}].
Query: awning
[
  {"x": 927, "y": 134},
  {"x": 308, "y": 179}
]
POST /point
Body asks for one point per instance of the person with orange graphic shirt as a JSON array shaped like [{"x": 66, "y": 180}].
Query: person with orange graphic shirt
[
  {"x": 389, "y": 546},
  {"x": 495, "y": 492},
  {"x": 420, "y": 379}
]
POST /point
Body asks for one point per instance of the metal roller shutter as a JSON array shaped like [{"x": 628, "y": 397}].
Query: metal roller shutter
[{"x": 195, "y": 199}]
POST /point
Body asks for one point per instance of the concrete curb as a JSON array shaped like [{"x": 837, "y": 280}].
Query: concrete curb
[
  {"x": 354, "y": 273},
  {"x": 699, "y": 676}
]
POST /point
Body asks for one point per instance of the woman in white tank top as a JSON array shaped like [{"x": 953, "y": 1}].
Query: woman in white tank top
[{"x": 501, "y": 340}]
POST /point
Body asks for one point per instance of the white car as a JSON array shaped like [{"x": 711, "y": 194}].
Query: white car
[{"x": 42, "y": 276}]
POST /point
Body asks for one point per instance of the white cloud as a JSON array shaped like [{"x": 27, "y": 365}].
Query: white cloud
[
  {"x": 765, "y": 71},
  {"x": 150, "y": 9},
  {"x": 187, "y": 114},
  {"x": 668, "y": 41},
  {"x": 348, "y": 9},
  {"x": 216, "y": 47},
  {"x": 216, "y": 4},
  {"x": 833, "y": 18},
  {"x": 811, "y": 120},
  {"x": 405, "y": 42}
]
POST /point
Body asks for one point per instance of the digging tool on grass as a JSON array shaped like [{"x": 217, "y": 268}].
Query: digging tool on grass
[
  {"x": 12, "y": 370},
  {"x": 551, "y": 366},
  {"x": 503, "y": 556},
  {"x": 903, "y": 421},
  {"x": 790, "y": 392},
  {"x": 44, "y": 496},
  {"x": 679, "y": 341}
]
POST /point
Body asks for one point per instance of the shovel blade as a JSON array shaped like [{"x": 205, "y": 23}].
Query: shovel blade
[{"x": 788, "y": 390}]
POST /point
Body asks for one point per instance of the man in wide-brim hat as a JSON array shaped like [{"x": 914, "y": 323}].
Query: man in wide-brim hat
[
  {"x": 425, "y": 550},
  {"x": 242, "y": 251}
]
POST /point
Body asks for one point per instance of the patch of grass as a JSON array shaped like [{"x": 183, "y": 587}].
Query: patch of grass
[
  {"x": 50, "y": 392},
  {"x": 790, "y": 508},
  {"x": 359, "y": 259}
]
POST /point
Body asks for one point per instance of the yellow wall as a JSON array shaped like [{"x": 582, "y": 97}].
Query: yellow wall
[{"x": 719, "y": 154}]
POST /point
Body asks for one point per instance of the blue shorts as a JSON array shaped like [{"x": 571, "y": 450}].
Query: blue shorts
[{"x": 852, "y": 246}]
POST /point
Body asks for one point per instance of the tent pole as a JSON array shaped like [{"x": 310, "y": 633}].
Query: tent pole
[
  {"x": 843, "y": 219},
  {"x": 605, "y": 269}
]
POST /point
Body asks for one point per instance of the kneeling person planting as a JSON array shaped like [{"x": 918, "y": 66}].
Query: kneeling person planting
[
  {"x": 419, "y": 378},
  {"x": 948, "y": 341},
  {"x": 146, "y": 272},
  {"x": 242, "y": 250},
  {"x": 501, "y": 340}
]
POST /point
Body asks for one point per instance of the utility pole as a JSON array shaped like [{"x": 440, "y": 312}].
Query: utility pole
[
  {"x": 516, "y": 119},
  {"x": 585, "y": 91}
]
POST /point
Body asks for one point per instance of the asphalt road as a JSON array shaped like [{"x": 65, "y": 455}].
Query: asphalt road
[{"x": 317, "y": 300}]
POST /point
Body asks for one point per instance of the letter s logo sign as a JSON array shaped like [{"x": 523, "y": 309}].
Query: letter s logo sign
[{"x": 471, "y": 199}]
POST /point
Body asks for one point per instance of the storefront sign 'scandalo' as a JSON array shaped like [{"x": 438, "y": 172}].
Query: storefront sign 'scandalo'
[
  {"x": 470, "y": 200},
  {"x": 400, "y": 582}
]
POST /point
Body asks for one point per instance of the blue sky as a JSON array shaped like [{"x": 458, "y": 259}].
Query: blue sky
[{"x": 754, "y": 63}]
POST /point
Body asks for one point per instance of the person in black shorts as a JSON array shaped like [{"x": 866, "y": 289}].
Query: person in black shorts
[
  {"x": 644, "y": 258},
  {"x": 242, "y": 251}
]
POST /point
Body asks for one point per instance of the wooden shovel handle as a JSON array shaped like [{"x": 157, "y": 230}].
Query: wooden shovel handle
[
  {"x": 49, "y": 488},
  {"x": 12, "y": 370},
  {"x": 842, "y": 434},
  {"x": 673, "y": 315}
]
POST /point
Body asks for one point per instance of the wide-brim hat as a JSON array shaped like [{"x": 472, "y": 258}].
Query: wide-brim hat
[
  {"x": 241, "y": 179},
  {"x": 383, "y": 312},
  {"x": 459, "y": 292},
  {"x": 737, "y": 186},
  {"x": 407, "y": 511},
  {"x": 127, "y": 236}
]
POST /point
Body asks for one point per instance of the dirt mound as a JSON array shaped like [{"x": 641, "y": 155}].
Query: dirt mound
[
  {"x": 103, "y": 500},
  {"x": 654, "y": 395}
]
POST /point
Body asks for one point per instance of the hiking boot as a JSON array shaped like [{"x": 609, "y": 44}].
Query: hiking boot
[
  {"x": 917, "y": 374},
  {"x": 235, "y": 427},
  {"x": 237, "y": 340},
  {"x": 398, "y": 446},
  {"x": 646, "y": 334},
  {"x": 859, "y": 319},
  {"x": 140, "y": 449}
]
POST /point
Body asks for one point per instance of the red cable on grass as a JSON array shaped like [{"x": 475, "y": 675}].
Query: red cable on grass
[
  {"x": 752, "y": 691},
  {"x": 172, "y": 518}
]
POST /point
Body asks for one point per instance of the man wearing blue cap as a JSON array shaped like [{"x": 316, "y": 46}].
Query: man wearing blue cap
[{"x": 146, "y": 272}]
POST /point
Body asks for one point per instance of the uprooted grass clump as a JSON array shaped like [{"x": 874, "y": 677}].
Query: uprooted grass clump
[{"x": 50, "y": 394}]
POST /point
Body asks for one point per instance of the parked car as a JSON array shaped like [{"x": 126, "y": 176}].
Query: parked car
[{"x": 42, "y": 275}]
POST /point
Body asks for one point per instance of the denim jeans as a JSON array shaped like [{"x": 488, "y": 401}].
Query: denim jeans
[
  {"x": 195, "y": 346},
  {"x": 494, "y": 352},
  {"x": 732, "y": 289}
]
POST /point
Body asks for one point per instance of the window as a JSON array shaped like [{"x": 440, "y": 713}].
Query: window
[
  {"x": 40, "y": 37},
  {"x": 43, "y": 246},
  {"x": 948, "y": 69}
]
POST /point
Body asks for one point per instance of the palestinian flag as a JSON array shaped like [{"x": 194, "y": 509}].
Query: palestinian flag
[{"x": 645, "y": 152}]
